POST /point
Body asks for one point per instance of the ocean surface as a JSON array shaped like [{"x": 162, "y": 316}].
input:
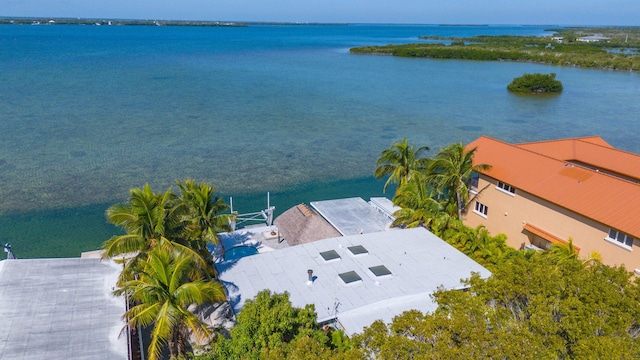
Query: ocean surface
[{"x": 88, "y": 112}]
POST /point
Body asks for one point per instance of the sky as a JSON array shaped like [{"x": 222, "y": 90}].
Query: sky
[{"x": 518, "y": 12}]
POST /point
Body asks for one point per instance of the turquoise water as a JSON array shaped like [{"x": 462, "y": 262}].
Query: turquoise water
[
  {"x": 89, "y": 112},
  {"x": 240, "y": 252}
]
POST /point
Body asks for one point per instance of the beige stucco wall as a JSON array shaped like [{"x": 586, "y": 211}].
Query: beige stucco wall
[{"x": 507, "y": 214}]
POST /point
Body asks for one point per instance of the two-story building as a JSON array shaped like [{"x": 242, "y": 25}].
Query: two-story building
[{"x": 547, "y": 192}]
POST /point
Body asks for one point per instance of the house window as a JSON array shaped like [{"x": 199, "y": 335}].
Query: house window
[
  {"x": 473, "y": 181},
  {"x": 481, "y": 209},
  {"x": 506, "y": 187},
  {"x": 620, "y": 237}
]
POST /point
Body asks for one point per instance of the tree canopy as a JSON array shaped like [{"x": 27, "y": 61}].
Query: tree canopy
[
  {"x": 536, "y": 84},
  {"x": 268, "y": 327},
  {"x": 400, "y": 162},
  {"x": 161, "y": 294},
  {"x": 531, "y": 308},
  {"x": 167, "y": 265}
]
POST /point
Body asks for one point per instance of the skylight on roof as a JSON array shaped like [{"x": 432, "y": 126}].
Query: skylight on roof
[
  {"x": 380, "y": 270},
  {"x": 329, "y": 255},
  {"x": 350, "y": 277},
  {"x": 358, "y": 250}
]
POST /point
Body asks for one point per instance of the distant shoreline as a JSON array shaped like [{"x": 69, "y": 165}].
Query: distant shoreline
[
  {"x": 112, "y": 22},
  {"x": 142, "y": 22}
]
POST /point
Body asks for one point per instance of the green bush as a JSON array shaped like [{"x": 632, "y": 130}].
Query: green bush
[{"x": 536, "y": 84}]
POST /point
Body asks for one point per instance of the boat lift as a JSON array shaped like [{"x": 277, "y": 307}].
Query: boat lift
[
  {"x": 7, "y": 249},
  {"x": 265, "y": 215}
]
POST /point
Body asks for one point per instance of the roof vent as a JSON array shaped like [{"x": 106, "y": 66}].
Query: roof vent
[
  {"x": 350, "y": 277},
  {"x": 358, "y": 250},
  {"x": 380, "y": 270},
  {"x": 329, "y": 255}
]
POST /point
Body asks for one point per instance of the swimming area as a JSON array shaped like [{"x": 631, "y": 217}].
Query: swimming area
[{"x": 89, "y": 112}]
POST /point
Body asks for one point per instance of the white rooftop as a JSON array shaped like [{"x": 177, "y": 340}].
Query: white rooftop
[
  {"x": 384, "y": 205},
  {"x": 419, "y": 263},
  {"x": 60, "y": 309},
  {"x": 352, "y": 216}
]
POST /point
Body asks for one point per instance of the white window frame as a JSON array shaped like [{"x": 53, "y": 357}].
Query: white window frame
[
  {"x": 481, "y": 209},
  {"x": 506, "y": 188},
  {"x": 620, "y": 239}
]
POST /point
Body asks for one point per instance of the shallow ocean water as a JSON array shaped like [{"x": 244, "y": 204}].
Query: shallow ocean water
[{"x": 90, "y": 112}]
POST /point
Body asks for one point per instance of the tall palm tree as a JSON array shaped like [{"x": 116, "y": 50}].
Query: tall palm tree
[
  {"x": 450, "y": 173},
  {"x": 147, "y": 219},
  {"x": 418, "y": 208},
  {"x": 399, "y": 162},
  {"x": 204, "y": 215},
  {"x": 162, "y": 292}
]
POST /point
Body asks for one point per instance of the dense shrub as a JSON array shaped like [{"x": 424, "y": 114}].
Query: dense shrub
[{"x": 536, "y": 83}]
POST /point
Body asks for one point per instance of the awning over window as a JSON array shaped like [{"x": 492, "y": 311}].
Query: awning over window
[{"x": 547, "y": 236}]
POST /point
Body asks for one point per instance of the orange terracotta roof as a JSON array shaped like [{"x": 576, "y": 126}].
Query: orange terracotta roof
[
  {"x": 604, "y": 198},
  {"x": 592, "y": 151}
]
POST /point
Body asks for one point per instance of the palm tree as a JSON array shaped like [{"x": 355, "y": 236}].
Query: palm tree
[
  {"x": 162, "y": 291},
  {"x": 450, "y": 173},
  {"x": 399, "y": 162},
  {"x": 418, "y": 208},
  {"x": 203, "y": 210},
  {"x": 561, "y": 253},
  {"x": 147, "y": 219}
]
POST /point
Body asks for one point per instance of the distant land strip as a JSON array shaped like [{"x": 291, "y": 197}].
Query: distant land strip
[
  {"x": 610, "y": 48},
  {"x": 114, "y": 22},
  {"x": 134, "y": 22}
]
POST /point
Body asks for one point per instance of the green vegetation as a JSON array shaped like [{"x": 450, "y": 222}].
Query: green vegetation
[
  {"x": 536, "y": 84},
  {"x": 620, "y": 52},
  {"x": 400, "y": 162},
  {"x": 161, "y": 292},
  {"x": 536, "y": 305},
  {"x": 167, "y": 266},
  {"x": 270, "y": 328},
  {"x": 530, "y": 308}
]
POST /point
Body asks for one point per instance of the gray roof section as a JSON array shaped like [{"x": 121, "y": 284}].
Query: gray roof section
[
  {"x": 419, "y": 263},
  {"x": 352, "y": 216},
  {"x": 60, "y": 309},
  {"x": 384, "y": 205}
]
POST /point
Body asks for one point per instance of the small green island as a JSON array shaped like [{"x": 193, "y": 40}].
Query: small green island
[
  {"x": 535, "y": 84},
  {"x": 610, "y": 48}
]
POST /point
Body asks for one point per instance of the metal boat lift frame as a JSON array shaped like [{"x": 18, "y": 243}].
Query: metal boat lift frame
[{"x": 265, "y": 215}]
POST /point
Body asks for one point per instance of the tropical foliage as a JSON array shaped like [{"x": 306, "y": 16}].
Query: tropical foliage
[
  {"x": 536, "y": 84},
  {"x": 162, "y": 291},
  {"x": 530, "y": 308},
  {"x": 620, "y": 53},
  {"x": 418, "y": 207},
  {"x": 167, "y": 265},
  {"x": 428, "y": 186},
  {"x": 189, "y": 220},
  {"x": 270, "y": 328},
  {"x": 450, "y": 173},
  {"x": 400, "y": 162},
  {"x": 534, "y": 306}
]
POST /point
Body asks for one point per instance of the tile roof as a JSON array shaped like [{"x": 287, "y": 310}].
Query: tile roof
[
  {"x": 546, "y": 170},
  {"x": 592, "y": 151}
]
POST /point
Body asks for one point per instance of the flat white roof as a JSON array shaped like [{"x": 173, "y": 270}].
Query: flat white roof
[
  {"x": 60, "y": 309},
  {"x": 385, "y": 205},
  {"x": 419, "y": 263},
  {"x": 352, "y": 216}
]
